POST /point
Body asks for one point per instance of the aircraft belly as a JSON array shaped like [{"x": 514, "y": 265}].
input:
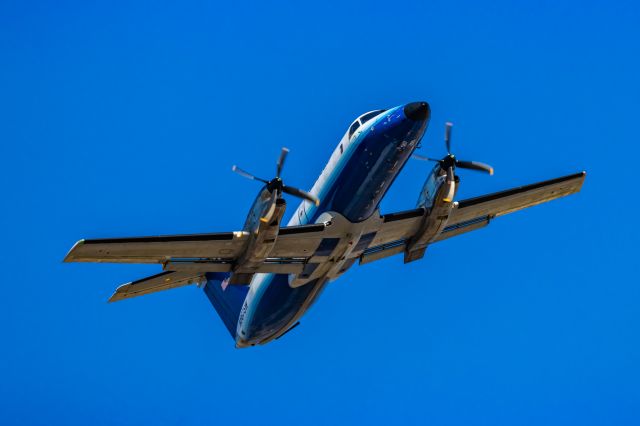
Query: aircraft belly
[
  {"x": 278, "y": 306},
  {"x": 371, "y": 170},
  {"x": 354, "y": 191}
]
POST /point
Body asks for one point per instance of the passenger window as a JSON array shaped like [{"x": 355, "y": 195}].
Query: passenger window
[
  {"x": 353, "y": 128},
  {"x": 340, "y": 148}
]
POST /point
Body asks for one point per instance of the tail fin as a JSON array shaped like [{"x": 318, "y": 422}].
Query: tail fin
[{"x": 226, "y": 299}]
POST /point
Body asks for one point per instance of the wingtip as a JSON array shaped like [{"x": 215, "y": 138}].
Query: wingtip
[
  {"x": 70, "y": 257},
  {"x": 117, "y": 296}
]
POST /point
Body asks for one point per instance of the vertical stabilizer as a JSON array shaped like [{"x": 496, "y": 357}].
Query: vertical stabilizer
[{"x": 226, "y": 299}]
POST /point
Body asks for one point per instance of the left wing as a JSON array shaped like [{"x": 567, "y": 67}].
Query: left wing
[
  {"x": 158, "y": 249},
  {"x": 187, "y": 258},
  {"x": 203, "y": 252}
]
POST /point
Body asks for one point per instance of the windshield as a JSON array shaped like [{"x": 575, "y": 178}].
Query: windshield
[
  {"x": 353, "y": 128},
  {"x": 368, "y": 116}
]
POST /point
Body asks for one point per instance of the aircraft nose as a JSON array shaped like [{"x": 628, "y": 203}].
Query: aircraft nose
[{"x": 417, "y": 111}]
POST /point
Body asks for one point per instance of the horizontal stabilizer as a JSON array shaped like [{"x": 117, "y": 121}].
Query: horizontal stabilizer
[{"x": 154, "y": 283}]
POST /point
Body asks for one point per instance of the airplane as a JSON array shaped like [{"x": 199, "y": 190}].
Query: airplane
[{"x": 261, "y": 280}]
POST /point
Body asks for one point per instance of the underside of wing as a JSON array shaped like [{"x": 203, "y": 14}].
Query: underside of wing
[
  {"x": 198, "y": 253},
  {"x": 468, "y": 215},
  {"x": 158, "y": 249},
  {"x": 298, "y": 250},
  {"x": 511, "y": 200},
  {"x": 186, "y": 259}
]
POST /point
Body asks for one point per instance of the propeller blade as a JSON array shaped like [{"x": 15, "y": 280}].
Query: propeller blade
[
  {"x": 301, "y": 194},
  {"x": 474, "y": 165},
  {"x": 248, "y": 175},
  {"x": 447, "y": 135},
  {"x": 451, "y": 186},
  {"x": 283, "y": 156},
  {"x": 423, "y": 158}
]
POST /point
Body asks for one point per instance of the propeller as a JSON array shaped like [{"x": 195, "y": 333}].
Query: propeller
[
  {"x": 450, "y": 162},
  {"x": 276, "y": 186},
  {"x": 447, "y": 135},
  {"x": 451, "y": 159}
]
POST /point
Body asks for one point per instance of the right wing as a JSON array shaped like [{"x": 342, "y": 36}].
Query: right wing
[
  {"x": 468, "y": 215},
  {"x": 504, "y": 202}
]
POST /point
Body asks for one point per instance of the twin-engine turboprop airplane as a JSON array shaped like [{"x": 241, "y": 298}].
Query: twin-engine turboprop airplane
[{"x": 262, "y": 279}]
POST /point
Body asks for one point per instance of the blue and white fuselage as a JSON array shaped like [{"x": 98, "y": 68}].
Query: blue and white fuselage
[{"x": 359, "y": 173}]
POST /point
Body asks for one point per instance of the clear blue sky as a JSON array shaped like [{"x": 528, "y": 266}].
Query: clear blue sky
[{"x": 124, "y": 118}]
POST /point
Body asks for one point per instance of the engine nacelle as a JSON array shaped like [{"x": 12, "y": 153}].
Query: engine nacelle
[
  {"x": 433, "y": 198},
  {"x": 263, "y": 224}
]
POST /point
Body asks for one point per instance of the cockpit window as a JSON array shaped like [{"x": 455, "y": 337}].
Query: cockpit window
[
  {"x": 363, "y": 119},
  {"x": 353, "y": 128},
  {"x": 368, "y": 116}
]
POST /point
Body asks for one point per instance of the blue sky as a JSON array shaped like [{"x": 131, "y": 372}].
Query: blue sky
[{"x": 124, "y": 118}]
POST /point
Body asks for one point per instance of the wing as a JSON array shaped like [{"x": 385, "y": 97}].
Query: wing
[
  {"x": 158, "y": 249},
  {"x": 186, "y": 258},
  {"x": 204, "y": 252},
  {"x": 511, "y": 200},
  {"x": 469, "y": 215}
]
